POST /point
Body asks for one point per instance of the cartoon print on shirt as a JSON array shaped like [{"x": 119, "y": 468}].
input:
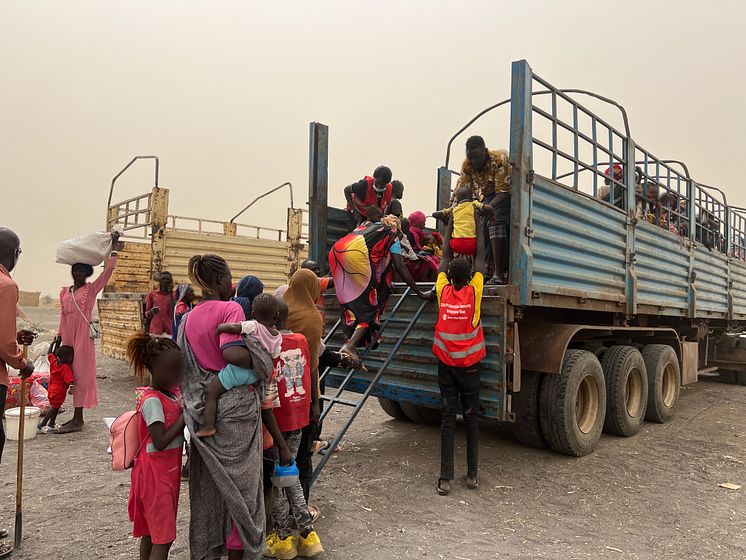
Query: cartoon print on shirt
[{"x": 290, "y": 368}]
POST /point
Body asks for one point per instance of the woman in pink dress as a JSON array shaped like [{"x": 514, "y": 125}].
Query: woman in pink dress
[{"x": 76, "y": 306}]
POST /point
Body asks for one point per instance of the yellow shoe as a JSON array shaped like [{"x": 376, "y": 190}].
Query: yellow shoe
[
  {"x": 282, "y": 549},
  {"x": 310, "y": 546},
  {"x": 269, "y": 544}
]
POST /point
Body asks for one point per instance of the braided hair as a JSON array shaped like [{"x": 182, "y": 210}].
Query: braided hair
[
  {"x": 143, "y": 350},
  {"x": 205, "y": 269}
]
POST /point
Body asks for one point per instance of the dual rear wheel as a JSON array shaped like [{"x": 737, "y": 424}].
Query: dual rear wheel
[{"x": 616, "y": 393}]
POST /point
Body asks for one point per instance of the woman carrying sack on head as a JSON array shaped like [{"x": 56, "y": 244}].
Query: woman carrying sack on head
[{"x": 77, "y": 330}]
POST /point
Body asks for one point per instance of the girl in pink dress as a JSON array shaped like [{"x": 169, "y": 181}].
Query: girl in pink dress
[
  {"x": 156, "y": 475},
  {"x": 76, "y": 306}
]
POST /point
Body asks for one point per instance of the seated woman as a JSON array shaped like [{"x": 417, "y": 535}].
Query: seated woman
[{"x": 362, "y": 265}]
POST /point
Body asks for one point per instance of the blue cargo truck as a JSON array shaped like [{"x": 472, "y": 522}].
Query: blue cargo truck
[{"x": 624, "y": 284}]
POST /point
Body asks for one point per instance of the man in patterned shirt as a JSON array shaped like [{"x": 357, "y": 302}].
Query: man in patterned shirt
[{"x": 488, "y": 174}]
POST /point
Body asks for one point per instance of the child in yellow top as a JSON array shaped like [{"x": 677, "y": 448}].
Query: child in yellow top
[{"x": 464, "y": 236}]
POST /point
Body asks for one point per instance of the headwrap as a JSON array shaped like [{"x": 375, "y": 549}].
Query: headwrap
[
  {"x": 87, "y": 269},
  {"x": 280, "y": 291},
  {"x": 303, "y": 315},
  {"x": 392, "y": 222},
  {"x": 617, "y": 171},
  {"x": 180, "y": 291},
  {"x": 417, "y": 230},
  {"x": 248, "y": 288}
]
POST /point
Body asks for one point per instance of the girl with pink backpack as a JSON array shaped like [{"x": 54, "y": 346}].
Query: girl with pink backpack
[{"x": 156, "y": 474}]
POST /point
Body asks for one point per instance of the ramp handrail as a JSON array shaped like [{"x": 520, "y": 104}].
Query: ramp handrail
[{"x": 358, "y": 405}]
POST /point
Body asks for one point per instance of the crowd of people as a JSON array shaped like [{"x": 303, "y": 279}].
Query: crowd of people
[{"x": 240, "y": 368}]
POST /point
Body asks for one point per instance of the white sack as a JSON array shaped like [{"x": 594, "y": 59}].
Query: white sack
[{"x": 89, "y": 249}]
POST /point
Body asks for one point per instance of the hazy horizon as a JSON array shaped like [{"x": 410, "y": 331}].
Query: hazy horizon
[{"x": 223, "y": 93}]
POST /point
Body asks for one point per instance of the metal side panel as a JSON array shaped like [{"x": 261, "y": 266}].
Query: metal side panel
[
  {"x": 662, "y": 267},
  {"x": 132, "y": 273},
  {"x": 413, "y": 374},
  {"x": 120, "y": 317},
  {"x": 711, "y": 281},
  {"x": 336, "y": 229},
  {"x": 738, "y": 289},
  {"x": 578, "y": 244},
  {"x": 263, "y": 258}
]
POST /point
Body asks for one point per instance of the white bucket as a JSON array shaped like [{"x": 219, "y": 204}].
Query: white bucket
[{"x": 12, "y": 417}]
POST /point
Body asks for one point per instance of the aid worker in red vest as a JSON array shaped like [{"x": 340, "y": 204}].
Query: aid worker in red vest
[
  {"x": 459, "y": 346},
  {"x": 369, "y": 191}
]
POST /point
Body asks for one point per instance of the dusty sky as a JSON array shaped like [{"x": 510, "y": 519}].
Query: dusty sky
[{"x": 223, "y": 92}]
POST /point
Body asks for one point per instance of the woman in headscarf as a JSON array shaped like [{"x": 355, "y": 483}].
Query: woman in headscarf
[
  {"x": 76, "y": 307},
  {"x": 184, "y": 298},
  {"x": 362, "y": 265},
  {"x": 305, "y": 318},
  {"x": 225, "y": 470},
  {"x": 425, "y": 268},
  {"x": 248, "y": 288},
  {"x": 417, "y": 233}
]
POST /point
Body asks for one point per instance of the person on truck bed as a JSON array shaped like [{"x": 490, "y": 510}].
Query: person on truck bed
[
  {"x": 487, "y": 172},
  {"x": 397, "y": 193},
  {"x": 459, "y": 346},
  {"x": 376, "y": 191},
  {"x": 604, "y": 193},
  {"x": 159, "y": 307},
  {"x": 362, "y": 265}
]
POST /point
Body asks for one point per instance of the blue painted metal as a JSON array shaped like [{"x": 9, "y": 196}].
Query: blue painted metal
[
  {"x": 412, "y": 374},
  {"x": 578, "y": 244},
  {"x": 318, "y": 187},
  {"x": 662, "y": 282},
  {"x": 521, "y": 178},
  {"x": 568, "y": 243}
]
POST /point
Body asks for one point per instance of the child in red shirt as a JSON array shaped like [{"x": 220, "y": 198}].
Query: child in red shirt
[
  {"x": 294, "y": 387},
  {"x": 61, "y": 379}
]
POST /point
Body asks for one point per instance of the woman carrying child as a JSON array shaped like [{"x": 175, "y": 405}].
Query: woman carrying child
[
  {"x": 156, "y": 474},
  {"x": 225, "y": 476}
]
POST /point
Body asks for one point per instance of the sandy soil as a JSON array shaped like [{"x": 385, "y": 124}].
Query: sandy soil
[{"x": 653, "y": 496}]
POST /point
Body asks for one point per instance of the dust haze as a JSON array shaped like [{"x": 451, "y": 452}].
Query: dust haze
[{"x": 223, "y": 93}]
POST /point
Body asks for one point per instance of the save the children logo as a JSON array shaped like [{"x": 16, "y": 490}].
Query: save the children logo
[{"x": 290, "y": 368}]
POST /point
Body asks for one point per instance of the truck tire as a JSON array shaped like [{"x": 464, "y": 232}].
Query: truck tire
[
  {"x": 626, "y": 390},
  {"x": 664, "y": 382},
  {"x": 527, "y": 426},
  {"x": 392, "y": 408},
  {"x": 421, "y": 414},
  {"x": 573, "y": 404}
]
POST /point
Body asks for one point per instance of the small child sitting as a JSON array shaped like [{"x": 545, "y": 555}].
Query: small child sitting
[
  {"x": 262, "y": 330},
  {"x": 464, "y": 237},
  {"x": 61, "y": 379}
]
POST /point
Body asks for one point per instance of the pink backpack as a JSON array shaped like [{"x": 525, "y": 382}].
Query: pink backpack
[{"x": 125, "y": 440}]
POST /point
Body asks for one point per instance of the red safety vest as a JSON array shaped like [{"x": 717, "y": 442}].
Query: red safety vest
[
  {"x": 371, "y": 198},
  {"x": 457, "y": 343}
]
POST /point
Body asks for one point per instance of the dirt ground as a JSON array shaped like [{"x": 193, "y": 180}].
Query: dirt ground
[{"x": 653, "y": 496}]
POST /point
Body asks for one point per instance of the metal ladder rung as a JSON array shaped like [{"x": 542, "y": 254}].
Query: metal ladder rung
[
  {"x": 336, "y": 400},
  {"x": 384, "y": 364}
]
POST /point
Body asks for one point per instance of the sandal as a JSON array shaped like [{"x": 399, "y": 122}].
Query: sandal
[
  {"x": 472, "y": 482},
  {"x": 5, "y": 551},
  {"x": 323, "y": 447},
  {"x": 443, "y": 487},
  {"x": 356, "y": 363},
  {"x": 314, "y": 512}
]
